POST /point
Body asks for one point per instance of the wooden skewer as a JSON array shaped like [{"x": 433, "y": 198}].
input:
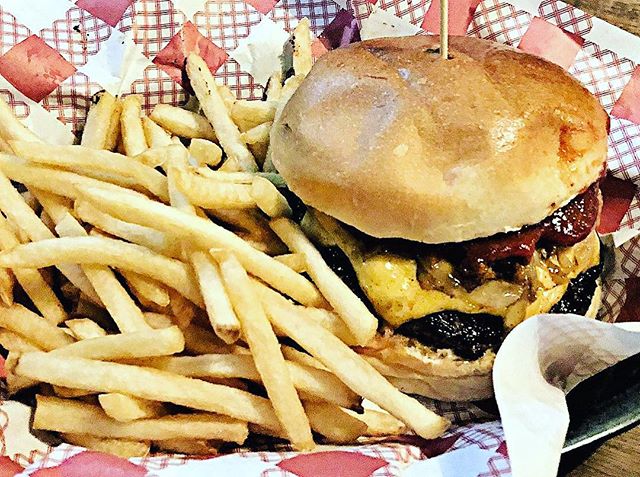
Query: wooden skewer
[{"x": 444, "y": 29}]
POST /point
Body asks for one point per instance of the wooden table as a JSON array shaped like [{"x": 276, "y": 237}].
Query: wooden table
[{"x": 620, "y": 456}]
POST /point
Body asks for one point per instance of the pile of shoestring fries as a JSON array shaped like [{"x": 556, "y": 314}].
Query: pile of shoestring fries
[{"x": 165, "y": 299}]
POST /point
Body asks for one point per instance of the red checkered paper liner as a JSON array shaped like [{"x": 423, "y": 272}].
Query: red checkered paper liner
[{"x": 55, "y": 54}]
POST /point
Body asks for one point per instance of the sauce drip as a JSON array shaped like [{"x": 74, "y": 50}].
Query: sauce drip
[{"x": 565, "y": 227}]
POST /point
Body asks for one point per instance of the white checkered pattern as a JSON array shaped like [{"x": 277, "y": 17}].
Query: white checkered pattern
[{"x": 89, "y": 44}]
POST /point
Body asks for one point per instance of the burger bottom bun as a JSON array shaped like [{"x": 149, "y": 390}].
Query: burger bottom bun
[{"x": 439, "y": 374}]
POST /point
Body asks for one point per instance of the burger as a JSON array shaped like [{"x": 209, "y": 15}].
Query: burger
[{"x": 467, "y": 189}]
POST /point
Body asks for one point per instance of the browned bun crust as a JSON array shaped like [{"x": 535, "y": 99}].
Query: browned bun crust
[{"x": 389, "y": 138}]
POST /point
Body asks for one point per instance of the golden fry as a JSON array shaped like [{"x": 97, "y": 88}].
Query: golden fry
[
  {"x": 182, "y": 123},
  {"x": 361, "y": 322},
  {"x": 155, "y": 135},
  {"x": 137, "y": 344},
  {"x": 302, "y": 59},
  {"x": 125, "y": 408},
  {"x": 93, "y": 163},
  {"x": 133, "y": 138},
  {"x": 126, "y": 314},
  {"x": 113, "y": 253},
  {"x": 106, "y": 377},
  {"x": 84, "y": 328},
  {"x": 67, "y": 416},
  {"x": 214, "y": 108},
  {"x": 221, "y": 315},
  {"x": 34, "y": 328},
  {"x": 354, "y": 371},
  {"x": 205, "y": 234},
  {"x": 120, "y": 447},
  {"x": 205, "y": 152},
  {"x": 266, "y": 352},
  {"x": 99, "y": 128}
]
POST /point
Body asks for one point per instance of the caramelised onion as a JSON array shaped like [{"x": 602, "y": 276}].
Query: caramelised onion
[{"x": 496, "y": 294}]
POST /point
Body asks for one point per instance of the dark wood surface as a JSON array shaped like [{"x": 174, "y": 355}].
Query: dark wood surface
[
  {"x": 620, "y": 456},
  {"x": 623, "y": 13}
]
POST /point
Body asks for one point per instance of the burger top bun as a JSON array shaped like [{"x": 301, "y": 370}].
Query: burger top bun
[{"x": 386, "y": 136}]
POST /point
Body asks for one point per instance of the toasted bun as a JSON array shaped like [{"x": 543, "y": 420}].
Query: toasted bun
[
  {"x": 389, "y": 138},
  {"x": 440, "y": 374}
]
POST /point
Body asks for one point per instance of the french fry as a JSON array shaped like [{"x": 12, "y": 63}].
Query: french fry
[
  {"x": 158, "y": 321},
  {"x": 146, "y": 288},
  {"x": 155, "y": 135},
  {"x": 16, "y": 384},
  {"x": 227, "y": 96},
  {"x": 17, "y": 343},
  {"x": 325, "y": 318},
  {"x": 119, "y": 447},
  {"x": 266, "y": 352},
  {"x": 175, "y": 166},
  {"x": 214, "y": 109},
  {"x": 114, "y": 131},
  {"x": 204, "y": 234},
  {"x": 315, "y": 382},
  {"x": 55, "y": 206},
  {"x": 295, "y": 356},
  {"x": 221, "y": 315},
  {"x": 67, "y": 416},
  {"x": 113, "y": 253},
  {"x": 84, "y": 328},
  {"x": 274, "y": 86},
  {"x": 34, "y": 328},
  {"x": 201, "y": 341},
  {"x": 125, "y": 313},
  {"x": 213, "y": 194},
  {"x": 51, "y": 180},
  {"x": 182, "y": 123},
  {"x": 93, "y": 163},
  {"x": 154, "y": 157},
  {"x": 138, "y": 234},
  {"x": 334, "y": 423},
  {"x": 302, "y": 59},
  {"x": 234, "y": 177},
  {"x": 5, "y": 147},
  {"x": 358, "y": 318},
  {"x": 137, "y": 344},
  {"x": 379, "y": 424},
  {"x": 187, "y": 446},
  {"x": 182, "y": 310},
  {"x": 205, "y": 152},
  {"x": 269, "y": 199},
  {"x": 249, "y": 114},
  {"x": 294, "y": 261},
  {"x": 11, "y": 128},
  {"x": 259, "y": 234},
  {"x": 144, "y": 383},
  {"x": 133, "y": 138},
  {"x": 7, "y": 281},
  {"x": 259, "y": 151},
  {"x": 258, "y": 134},
  {"x": 354, "y": 371},
  {"x": 99, "y": 128},
  {"x": 125, "y": 408},
  {"x": 30, "y": 200},
  {"x": 70, "y": 393},
  {"x": 17, "y": 211}
]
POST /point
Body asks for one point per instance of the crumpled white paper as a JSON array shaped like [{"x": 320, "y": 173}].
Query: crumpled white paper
[{"x": 541, "y": 360}]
